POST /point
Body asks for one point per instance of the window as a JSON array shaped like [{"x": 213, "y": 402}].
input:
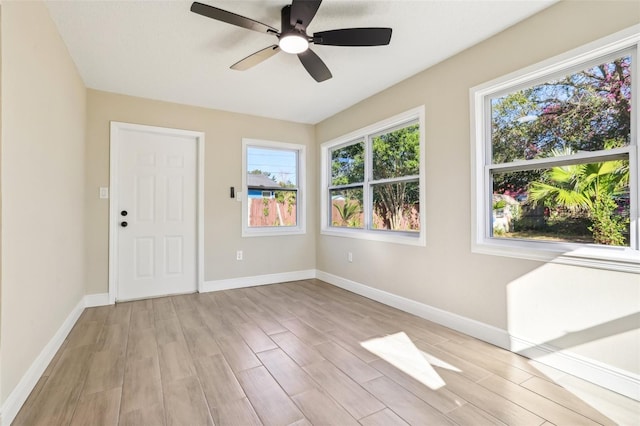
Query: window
[
  {"x": 556, "y": 159},
  {"x": 371, "y": 181},
  {"x": 273, "y": 177}
]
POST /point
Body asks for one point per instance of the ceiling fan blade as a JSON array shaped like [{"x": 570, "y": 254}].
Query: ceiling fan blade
[
  {"x": 354, "y": 37},
  {"x": 303, "y": 11},
  {"x": 231, "y": 18},
  {"x": 314, "y": 66},
  {"x": 255, "y": 58}
]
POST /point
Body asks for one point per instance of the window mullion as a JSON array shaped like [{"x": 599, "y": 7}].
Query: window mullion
[
  {"x": 400, "y": 179},
  {"x": 634, "y": 191},
  {"x": 578, "y": 158},
  {"x": 488, "y": 149},
  {"x": 634, "y": 156},
  {"x": 486, "y": 202},
  {"x": 488, "y": 207},
  {"x": 328, "y": 171},
  {"x": 367, "y": 194},
  {"x": 347, "y": 186},
  {"x": 273, "y": 188}
]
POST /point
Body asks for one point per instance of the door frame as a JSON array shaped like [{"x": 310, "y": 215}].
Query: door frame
[{"x": 114, "y": 144}]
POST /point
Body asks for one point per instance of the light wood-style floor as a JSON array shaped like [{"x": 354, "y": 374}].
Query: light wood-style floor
[{"x": 290, "y": 354}]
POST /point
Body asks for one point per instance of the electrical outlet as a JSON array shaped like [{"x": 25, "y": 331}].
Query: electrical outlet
[
  {"x": 350, "y": 257},
  {"x": 239, "y": 255}
]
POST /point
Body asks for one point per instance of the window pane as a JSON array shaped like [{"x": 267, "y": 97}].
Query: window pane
[
  {"x": 346, "y": 208},
  {"x": 589, "y": 110},
  {"x": 347, "y": 164},
  {"x": 397, "y": 153},
  {"x": 396, "y": 206},
  {"x": 278, "y": 165},
  {"x": 580, "y": 203},
  {"x": 272, "y": 208}
]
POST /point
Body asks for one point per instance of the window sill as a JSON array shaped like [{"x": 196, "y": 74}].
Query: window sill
[
  {"x": 409, "y": 239},
  {"x": 620, "y": 259},
  {"x": 272, "y": 232}
]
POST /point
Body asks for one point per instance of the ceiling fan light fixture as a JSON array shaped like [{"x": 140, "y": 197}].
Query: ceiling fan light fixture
[{"x": 293, "y": 43}]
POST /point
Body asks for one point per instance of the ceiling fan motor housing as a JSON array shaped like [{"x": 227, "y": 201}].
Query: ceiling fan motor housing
[
  {"x": 293, "y": 38},
  {"x": 289, "y": 28}
]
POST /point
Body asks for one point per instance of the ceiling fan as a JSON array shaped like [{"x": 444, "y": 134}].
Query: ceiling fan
[{"x": 293, "y": 38}]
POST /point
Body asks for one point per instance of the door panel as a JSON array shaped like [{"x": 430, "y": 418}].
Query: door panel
[
  {"x": 174, "y": 259},
  {"x": 143, "y": 257},
  {"x": 144, "y": 195},
  {"x": 175, "y": 195},
  {"x": 157, "y": 186}
]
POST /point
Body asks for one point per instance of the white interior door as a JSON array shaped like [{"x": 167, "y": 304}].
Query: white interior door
[{"x": 155, "y": 208}]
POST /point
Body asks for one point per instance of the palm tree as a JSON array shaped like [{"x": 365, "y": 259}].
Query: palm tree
[
  {"x": 347, "y": 211},
  {"x": 586, "y": 189}
]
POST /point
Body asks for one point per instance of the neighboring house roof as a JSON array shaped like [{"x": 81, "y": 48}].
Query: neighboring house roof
[{"x": 257, "y": 181}]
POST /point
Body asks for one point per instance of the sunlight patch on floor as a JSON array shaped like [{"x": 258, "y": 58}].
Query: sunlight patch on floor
[
  {"x": 398, "y": 350},
  {"x": 618, "y": 408},
  {"x": 439, "y": 363}
]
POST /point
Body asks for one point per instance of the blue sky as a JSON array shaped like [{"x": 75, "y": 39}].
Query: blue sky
[{"x": 279, "y": 163}]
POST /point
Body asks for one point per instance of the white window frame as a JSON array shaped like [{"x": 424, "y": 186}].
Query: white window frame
[
  {"x": 300, "y": 227},
  {"x": 399, "y": 237},
  {"x": 625, "y": 259}
]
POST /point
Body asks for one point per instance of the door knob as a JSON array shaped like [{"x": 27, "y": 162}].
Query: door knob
[
  {"x": 123, "y": 224},
  {"x": 123, "y": 213}
]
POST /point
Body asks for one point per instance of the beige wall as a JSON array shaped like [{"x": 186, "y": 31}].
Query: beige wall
[
  {"x": 54, "y": 229},
  {"x": 563, "y": 305},
  {"x": 1, "y": 399},
  {"x": 43, "y": 116},
  {"x": 223, "y": 168}
]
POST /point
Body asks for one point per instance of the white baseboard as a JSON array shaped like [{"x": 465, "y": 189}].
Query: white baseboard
[
  {"x": 615, "y": 379},
  {"x": 21, "y": 392},
  {"x": 232, "y": 283},
  {"x": 620, "y": 381},
  {"x": 99, "y": 299},
  {"x": 477, "y": 329}
]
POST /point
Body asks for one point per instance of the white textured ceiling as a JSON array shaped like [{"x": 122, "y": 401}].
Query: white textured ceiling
[{"x": 161, "y": 50}]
